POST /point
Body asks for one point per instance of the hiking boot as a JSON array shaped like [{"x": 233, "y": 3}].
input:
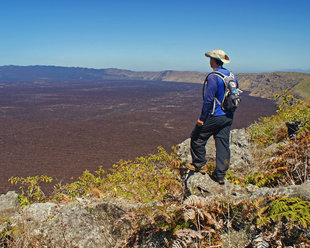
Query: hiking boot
[
  {"x": 221, "y": 181},
  {"x": 192, "y": 167},
  {"x": 202, "y": 170},
  {"x": 216, "y": 179}
]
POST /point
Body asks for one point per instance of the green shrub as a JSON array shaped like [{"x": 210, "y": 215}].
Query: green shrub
[
  {"x": 30, "y": 188},
  {"x": 266, "y": 130},
  {"x": 83, "y": 186},
  {"x": 144, "y": 179}
]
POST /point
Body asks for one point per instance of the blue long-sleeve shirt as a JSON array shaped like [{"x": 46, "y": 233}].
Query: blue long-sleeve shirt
[{"x": 214, "y": 88}]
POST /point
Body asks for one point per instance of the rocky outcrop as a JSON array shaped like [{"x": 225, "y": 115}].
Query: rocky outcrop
[
  {"x": 202, "y": 185},
  {"x": 82, "y": 223},
  {"x": 97, "y": 223},
  {"x": 239, "y": 147}
]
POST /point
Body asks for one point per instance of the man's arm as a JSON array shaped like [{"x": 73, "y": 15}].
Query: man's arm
[{"x": 208, "y": 99}]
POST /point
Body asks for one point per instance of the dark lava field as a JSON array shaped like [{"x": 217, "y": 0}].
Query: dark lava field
[{"x": 61, "y": 129}]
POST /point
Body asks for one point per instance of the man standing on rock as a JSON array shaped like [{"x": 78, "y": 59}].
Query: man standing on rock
[{"x": 213, "y": 121}]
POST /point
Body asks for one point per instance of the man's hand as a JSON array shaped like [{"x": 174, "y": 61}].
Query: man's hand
[{"x": 199, "y": 123}]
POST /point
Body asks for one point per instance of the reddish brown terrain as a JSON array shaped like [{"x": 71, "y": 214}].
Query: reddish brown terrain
[{"x": 61, "y": 129}]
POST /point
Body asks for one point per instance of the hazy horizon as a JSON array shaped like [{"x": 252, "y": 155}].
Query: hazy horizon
[{"x": 206, "y": 71}]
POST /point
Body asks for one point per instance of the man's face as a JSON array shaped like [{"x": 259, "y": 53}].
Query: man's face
[{"x": 212, "y": 63}]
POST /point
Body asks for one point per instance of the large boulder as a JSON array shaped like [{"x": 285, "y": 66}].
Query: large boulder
[{"x": 83, "y": 223}]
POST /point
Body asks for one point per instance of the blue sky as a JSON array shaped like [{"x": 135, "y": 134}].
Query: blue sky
[{"x": 156, "y": 35}]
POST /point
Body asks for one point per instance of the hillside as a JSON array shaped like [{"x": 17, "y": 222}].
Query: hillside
[
  {"x": 268, "y": 84},
  {"x": 263, "y": 85},
  {"x": 259, "y": 84}
]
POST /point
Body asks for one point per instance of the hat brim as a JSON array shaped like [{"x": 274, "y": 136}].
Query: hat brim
[{"x": 215, "y": 56}]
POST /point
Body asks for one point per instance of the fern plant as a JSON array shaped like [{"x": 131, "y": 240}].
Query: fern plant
[
  {"x": 288, "y": 165},
  {"x": 294, "y": 210}
]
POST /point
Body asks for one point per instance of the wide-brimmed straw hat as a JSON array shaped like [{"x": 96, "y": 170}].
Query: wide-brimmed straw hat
[{"x": 218, "y": 54}]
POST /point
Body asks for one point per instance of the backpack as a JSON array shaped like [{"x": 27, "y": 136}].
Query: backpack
[{"x": 231, "y": 97}]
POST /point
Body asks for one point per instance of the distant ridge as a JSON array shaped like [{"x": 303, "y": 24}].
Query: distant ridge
[
  {"x": 12, "y": 73},
  {"x": 297, "y": 70},
  {"x": 259, "y": 84}
]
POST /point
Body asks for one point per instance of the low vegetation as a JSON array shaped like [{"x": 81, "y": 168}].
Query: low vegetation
[
  {"x": 183, "y": 219},
  {"x": 273, "y": 129}
]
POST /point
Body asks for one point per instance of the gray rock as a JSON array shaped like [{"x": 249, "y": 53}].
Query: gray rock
[
  {"x": 239, "y": 147},
  {"x": 33, "y": 215},
  {"x": 202, "y": 185},
  {"x": 301, "y": 191},
  {"x": 81, "y": 223},
  {"x": 9, "y": 204},
  {"x": 184, "y": 151}
]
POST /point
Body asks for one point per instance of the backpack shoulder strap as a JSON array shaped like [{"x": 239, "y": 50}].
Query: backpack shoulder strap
[
  {"x": 204, "y": 83},
  {"x": 231, "y": 76},
  {"x": 222, "y": 75}
]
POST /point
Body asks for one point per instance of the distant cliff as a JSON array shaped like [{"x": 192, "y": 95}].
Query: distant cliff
[{"x": 259, "y": 84}]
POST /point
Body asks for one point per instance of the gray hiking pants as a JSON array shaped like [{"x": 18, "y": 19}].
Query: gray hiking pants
[{"x": 219, "y": 127}]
